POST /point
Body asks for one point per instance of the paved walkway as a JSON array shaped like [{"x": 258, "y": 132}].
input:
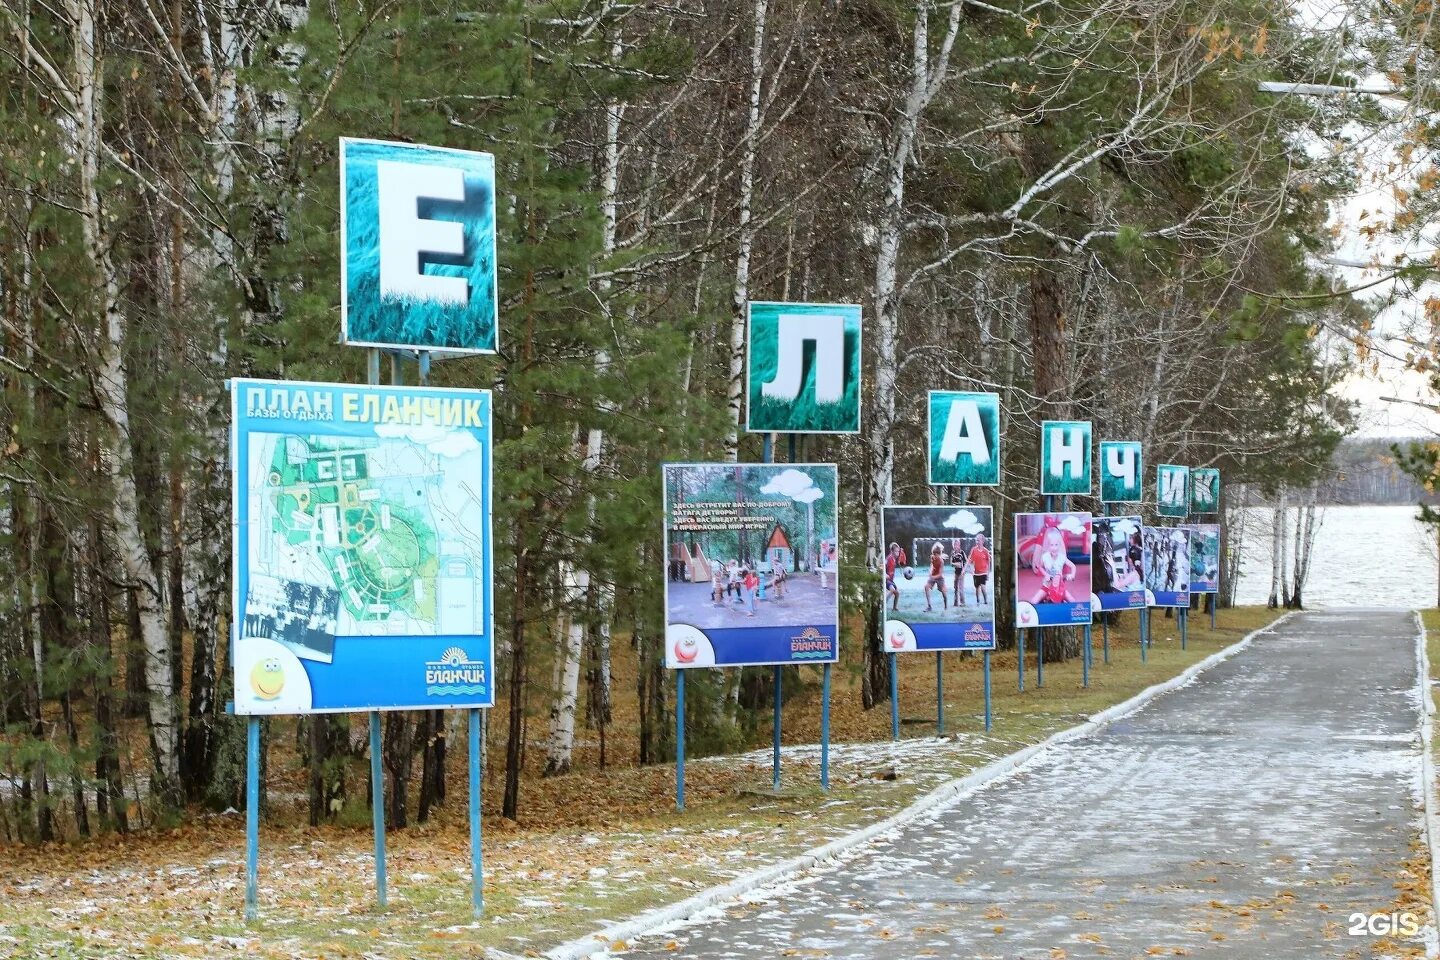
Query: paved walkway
[{"x": 1246, "y": 815}]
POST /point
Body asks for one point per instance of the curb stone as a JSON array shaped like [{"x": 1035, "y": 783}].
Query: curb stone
[
  {"x": 1427, "y": 773},
  {"x": 938, "y": 799}
]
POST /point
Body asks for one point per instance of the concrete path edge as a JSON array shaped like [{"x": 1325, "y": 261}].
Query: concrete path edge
[
  {"x": 932, "y": 802},
  {"x": 1427, "y": 773}
]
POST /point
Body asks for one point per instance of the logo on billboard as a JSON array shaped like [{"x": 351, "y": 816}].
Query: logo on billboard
[
  {"x": 810, "y": 644},
  {"x": 454, "y": 674}
]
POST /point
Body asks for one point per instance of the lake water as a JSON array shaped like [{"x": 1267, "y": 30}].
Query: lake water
[{"x": 1364, "y": 557}]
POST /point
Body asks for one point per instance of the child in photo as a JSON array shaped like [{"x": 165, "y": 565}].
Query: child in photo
[
  {"x": 750, "y": 584},
  {"x": 733, "y": 580},
  {"x": 1051, "y": 563},
  {"x": 957, "y": 560},
  {"x": 980, "y": 569},
  {"x": 717, "y": 584},
  {"x": 937, "y": 577},
  {"x": 892, "y": 564}
]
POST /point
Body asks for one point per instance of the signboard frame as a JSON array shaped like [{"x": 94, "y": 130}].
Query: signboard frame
[
  {"x": 853, "y": 312},
  {"x": 990, "y": 406},
  {"x": 1108, "y": 495},
  {"x": 928, "y": 636},
  {"x": 1077, "y": 488}
]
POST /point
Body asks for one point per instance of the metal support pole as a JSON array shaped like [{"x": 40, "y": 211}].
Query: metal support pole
[
  {"x": 1085, "y": 661},
  {"x": 894, "y": 698},
  {"x": 1105, "y": 637},
  {"x": 679, "y": 739},
  {"x": 1184, "y": 619},
  {"x": 1144, "y": 632},
  {"x": 252, "y": 817},
  {"x": 1040, "y": 657},
  {"x": 377, "y": 809},
  {"x": 477, "y": 872},
  {"x": 1020, "y": 651},
  {"x": 940, "y": 692},
  {"x": 987, "y": 689},
  {"x": 775, "y": 757},
  {"x": 825, "y": 728}
]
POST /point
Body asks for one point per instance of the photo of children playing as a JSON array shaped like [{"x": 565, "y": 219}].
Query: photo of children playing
[
  {"x": 750, "y": 545},
  {"x": 1052, "y": 569},
  {"x": 938, "y": 564},
  {"x": 1167, "y": 566},
  {"x": 1117, "y": 575},
  {"x": 1204, "y": 557}
]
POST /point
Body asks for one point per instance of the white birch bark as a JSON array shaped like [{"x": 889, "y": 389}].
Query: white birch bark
[
  {"x": 746, "y": 231},
  {"x": 112, "y": 394}
]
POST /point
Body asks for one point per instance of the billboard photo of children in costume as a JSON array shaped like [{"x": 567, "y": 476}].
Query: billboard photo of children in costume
[
  {"x": 752, "y": 576},
  {"x": 1167, "y": 567},
  {"x": 1052, "y": 569},
  {"x": 1117, "y": 578},
  {"x": 1204, "y": 557},
  {"x": 939, "y": 593}
]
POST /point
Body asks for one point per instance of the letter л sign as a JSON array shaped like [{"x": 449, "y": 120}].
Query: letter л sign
[
  {"x": 1065, "y": 457},
  {"x": 417, "y": 244},
  {"x": 803, "y": 371},
  {"x": 964, "y": 438}
]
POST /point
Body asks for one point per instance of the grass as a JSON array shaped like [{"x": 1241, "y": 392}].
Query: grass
[{"x": 592, "y": 846}]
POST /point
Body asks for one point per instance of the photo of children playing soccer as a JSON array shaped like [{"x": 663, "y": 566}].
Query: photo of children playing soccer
[
  {"x": 938, "y": 562},
  {"x": 1052, "y": 569},
  {"x": 1117, "y": 579},
  {"x": 750, "y": 545},
  {"x": 1204, "y": 557},
  {"x": 1167, "y": 566}
]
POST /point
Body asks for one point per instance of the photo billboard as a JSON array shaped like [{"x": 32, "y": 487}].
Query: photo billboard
[
  {"x": 752, "y": 568},
  {"x": 1204, "y": 490},
  {"x": 785, "y": 393},
  {"x": 1065, "y": 468},
  {"x": 964, "y": 438},
  {"x": 1052, "y": 569},
  {"x": 1172, "y": 490},
  {"x": 1122, "y": 471},
  {"x": 1167, "y": 567},
  {"x": 939, "y": 578},
  {"x": 1204, "y": 557},
  {"x": 1117, "y": 578},
  {"x": 362, "y": 554},
  {"x": 417, "y": 247}
]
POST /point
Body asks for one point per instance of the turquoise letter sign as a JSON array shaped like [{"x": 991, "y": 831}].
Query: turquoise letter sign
[
  {"x": 1122, "y": 474},
  {"x": 964, "y": 438},
  {"x": 1064, "y": 457},
  {"x": 417, "y": 247},
  {"x": 1205, "y": 490},
  {"x": 804, "y": 374},
  {"x": 1172, "y": 490}
]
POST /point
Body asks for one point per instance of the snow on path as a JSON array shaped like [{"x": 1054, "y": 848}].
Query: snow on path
[{"x": 1248, "y": 814}]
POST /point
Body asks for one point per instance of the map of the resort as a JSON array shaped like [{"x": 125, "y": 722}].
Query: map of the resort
[{"x": 364, "y": 536}]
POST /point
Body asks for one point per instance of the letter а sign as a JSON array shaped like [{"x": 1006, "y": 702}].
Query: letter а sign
[
  {"x": 1065, "y": 457},
  {"x": 964, "y": 438},
  {"x": 804, "y": 374},
  {"x": 417, "y": 242}
]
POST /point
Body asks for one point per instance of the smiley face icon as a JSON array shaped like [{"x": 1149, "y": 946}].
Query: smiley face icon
[{"x": 267, "y": 678}]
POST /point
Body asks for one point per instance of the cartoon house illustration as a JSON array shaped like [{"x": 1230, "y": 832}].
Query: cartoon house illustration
[{"x": 778, "y": 550}]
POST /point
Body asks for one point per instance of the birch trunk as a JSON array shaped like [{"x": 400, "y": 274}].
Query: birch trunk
[
  {"x": 112, "y": 394},
  {"x": 746, "y": 230}
]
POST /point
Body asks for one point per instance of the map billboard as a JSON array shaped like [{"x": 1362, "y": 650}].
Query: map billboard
[
  {"x": 1065, "y": 468},
  {"x": 1172, "y": 490},
  {"x": 939, "y": 578},
  {"x": 752, "y": 567},
  {"x": 1204, "y": 490},
  {"x": 362, "y": 552},
  {"x": 417, "y": 247},
  {"x": 1052, "y": 569},
  {"x": 785, "y": 393},
  {"x": 964, "y": 438},
  {"x": 1167, "y": 567},
  {"x": 1204, "y": 557},
  {"x": 1117, "y": 578},
  {"x": 1122, "y": 471}
]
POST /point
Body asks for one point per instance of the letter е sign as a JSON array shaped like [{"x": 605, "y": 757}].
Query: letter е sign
[{"x": 417, "y": 242}]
